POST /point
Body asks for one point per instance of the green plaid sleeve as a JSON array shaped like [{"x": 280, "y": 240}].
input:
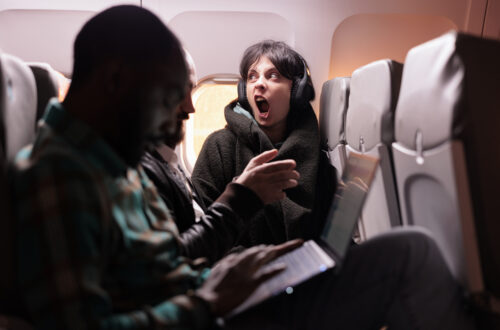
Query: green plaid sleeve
[{"x": 60, "y": 240}]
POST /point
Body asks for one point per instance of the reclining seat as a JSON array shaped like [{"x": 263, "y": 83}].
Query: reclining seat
[
  {"x": 370, "y": 130},
  {"x": 17, "y": 113},
  {"x": 332, "y": 111},
  {"x": 18, "y": 99},
  {"x": 47, "y": 85},
  {"x": 446, "y": 154}
]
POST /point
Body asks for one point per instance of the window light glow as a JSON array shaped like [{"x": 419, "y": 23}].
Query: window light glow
[
  {"x": 63, "y": 84},
  {"x": 210, "y": 97}
]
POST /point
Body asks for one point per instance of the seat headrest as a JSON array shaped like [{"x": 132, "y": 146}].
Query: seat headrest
[
  {"x": 333, "y": 107},
  {"x": 431, "y": 92},
  {"x": 47, "y": 85},
  {"x": 17, "y": 104},
  {"x": 372, "y": 101}
]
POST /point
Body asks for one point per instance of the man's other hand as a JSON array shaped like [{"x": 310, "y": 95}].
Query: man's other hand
[
  {"x": 268, "y": 180},
  {"x": 236, "y": 276}
]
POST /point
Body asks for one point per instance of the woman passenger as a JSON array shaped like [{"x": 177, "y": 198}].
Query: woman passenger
[{"x": 272, "y": 111}]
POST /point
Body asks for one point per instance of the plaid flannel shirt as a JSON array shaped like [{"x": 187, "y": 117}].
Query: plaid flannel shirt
[{"x": 96, "y": 246}]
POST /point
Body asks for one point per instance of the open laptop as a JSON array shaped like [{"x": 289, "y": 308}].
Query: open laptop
[{"x": 316, "y": 256}]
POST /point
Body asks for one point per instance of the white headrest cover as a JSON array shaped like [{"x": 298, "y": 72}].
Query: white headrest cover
[
  {"x": 18, "y": 103},
  {"x": 374, "y": 91},
  {"x": 431, "y": 89},
  {"x": 333, "y": 107}
]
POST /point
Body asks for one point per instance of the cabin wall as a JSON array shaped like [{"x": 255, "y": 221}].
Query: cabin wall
[
  {"x": 491, "y": 25},
  {"x": 309, "y": 26}
]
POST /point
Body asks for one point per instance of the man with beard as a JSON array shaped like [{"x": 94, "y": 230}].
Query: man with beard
[
  {"x": 201, "y": 236},
  {"x": 96, "y": 248},
  {"x": 163, "y": 168}
]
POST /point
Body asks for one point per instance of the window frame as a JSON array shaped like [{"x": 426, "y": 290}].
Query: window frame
[{"x": 185, "y": 150}]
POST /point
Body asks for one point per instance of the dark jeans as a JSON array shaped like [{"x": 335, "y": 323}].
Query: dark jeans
[{"x": 398, "y": 279}]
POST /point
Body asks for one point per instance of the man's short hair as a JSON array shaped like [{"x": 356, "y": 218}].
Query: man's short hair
[{"x": 129, "y": 33}]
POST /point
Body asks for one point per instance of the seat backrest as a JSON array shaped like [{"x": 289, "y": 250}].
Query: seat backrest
[
  {"x": 370, "y": 130},
  {"x": 10, "y": 305},
  {"x": 47, "y": 85},
  {"x": 17, "y": 103},
  {"x": 446, "y": 155},
  {"x": 333, "y": 106},
  {"x": 6, "y": 252}
]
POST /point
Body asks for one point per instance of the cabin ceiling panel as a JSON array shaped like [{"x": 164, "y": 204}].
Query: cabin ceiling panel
[
  {"x": 217, "y": 40},
  {"x": 48, "y": 37},
  {"x": 90, "y": 5}
]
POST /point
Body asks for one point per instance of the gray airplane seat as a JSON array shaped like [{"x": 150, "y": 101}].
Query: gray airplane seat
[
  {"x": 12, "y": 74},
  {"x": 47, "y": 85},
  {"x": 333, "y": 107},
  {"x": 11, "y": 308},
  {"x": 370, "y": 130},
  {"x": 446, "y": 155},
  {"x": 18, "y": 104}
]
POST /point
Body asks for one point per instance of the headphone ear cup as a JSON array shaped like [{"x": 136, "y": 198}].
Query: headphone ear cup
[
  {"x": 301, "y": 91},
  {"x": 242, "y": 94},
  {"x": 308, "y": 93},
  {"x": 295, "y": 94}
]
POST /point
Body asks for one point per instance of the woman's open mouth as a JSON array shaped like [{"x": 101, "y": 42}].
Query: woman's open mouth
[{"x": 262, "y": 105}]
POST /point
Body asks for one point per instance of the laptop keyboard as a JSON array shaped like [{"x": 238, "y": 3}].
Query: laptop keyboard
[{"x": 301, "y": 264}]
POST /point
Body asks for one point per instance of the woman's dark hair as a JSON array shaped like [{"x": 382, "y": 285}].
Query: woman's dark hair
[{"x": 288, "y": 62}]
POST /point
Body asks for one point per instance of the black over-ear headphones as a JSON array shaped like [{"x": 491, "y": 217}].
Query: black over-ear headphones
[{"x": 301, "y": 92}]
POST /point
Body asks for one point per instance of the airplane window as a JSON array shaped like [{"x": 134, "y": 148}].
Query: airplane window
[
  {"x": 364, "y": 38},
  {"x": 210, "y": 97}
]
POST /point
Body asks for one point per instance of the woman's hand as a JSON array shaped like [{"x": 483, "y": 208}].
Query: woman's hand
[{"x": 268, "y": 180}]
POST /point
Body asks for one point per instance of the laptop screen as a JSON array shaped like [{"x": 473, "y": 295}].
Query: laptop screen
[{"x": 348, "y": 202}]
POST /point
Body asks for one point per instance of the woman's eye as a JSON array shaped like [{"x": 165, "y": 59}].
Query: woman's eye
[
  {"x": 274, "y": 75},
  {"x": 252, "y": 77}
]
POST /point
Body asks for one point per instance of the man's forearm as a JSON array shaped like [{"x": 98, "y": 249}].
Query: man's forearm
[{"x": 219, "y": 229}]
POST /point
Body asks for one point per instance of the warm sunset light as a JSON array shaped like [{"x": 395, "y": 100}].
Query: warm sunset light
[
  {"x": 63, "y": 85},
  {"x": 209, "y": 101},
  {"x": 364, "y": 38}
]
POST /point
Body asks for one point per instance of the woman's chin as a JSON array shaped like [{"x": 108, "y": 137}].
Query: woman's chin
[{"x": 263, "y": 122}]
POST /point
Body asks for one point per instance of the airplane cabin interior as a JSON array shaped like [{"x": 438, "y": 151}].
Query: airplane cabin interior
[{"x": 414, "y": 83}]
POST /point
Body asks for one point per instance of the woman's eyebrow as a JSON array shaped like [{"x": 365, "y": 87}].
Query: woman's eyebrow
[
  {"x": 272, "y": 70},
  {"x": 251, "y": 72}
]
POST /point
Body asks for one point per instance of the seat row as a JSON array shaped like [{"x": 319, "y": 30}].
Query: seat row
[
  {"x": 435, "y": 126},
  {"x": 25, "y": 89}
]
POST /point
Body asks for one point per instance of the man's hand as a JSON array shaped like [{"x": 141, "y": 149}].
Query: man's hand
[
  {"x": 235, "y": 277},
  {"x": 268, "y": 180}
]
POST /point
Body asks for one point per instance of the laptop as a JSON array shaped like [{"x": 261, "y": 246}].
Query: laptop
[{"x": 329, "y": 251}]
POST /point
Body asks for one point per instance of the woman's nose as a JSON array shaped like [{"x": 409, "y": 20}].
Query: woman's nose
[{"x": 260, "y": 83}]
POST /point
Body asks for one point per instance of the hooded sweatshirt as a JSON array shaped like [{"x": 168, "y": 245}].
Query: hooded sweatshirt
[{"x": 226, "y": 153}]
